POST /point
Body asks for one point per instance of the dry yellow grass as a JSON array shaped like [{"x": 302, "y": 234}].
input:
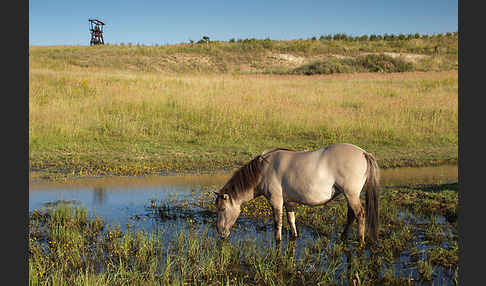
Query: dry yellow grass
[{"x": 106, "y": 116}]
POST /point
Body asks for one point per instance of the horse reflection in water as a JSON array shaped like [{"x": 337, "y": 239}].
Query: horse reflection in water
[
  {"x": 99, "y": 195},
  {"x": 287, "y": 178}
]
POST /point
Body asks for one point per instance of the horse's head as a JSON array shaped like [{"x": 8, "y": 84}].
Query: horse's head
[
  {"x": 239, "y": 189},
  {"x": 228, "y": 212}
]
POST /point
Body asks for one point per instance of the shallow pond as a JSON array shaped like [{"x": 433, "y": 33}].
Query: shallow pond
[
  {"x": 122, "y": 199},
  {"x": 166, "y": 204}
]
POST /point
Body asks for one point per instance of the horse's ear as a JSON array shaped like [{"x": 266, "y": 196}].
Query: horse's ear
[
  {"x": 264, "y": 155},
  {"x": 262, "y": 159}
]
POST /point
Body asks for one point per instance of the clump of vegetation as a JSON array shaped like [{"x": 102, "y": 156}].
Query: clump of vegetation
[
  {"x": 387, "y": 37},
  {"x": 324, "y": 67},
  {"x": 367, "y": 63},
  {"x": 380, "y": 63}
]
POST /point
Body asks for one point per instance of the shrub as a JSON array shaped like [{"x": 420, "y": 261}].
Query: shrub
[
  {"x": 204, "y": 40},
  {"x": 368, "y": 63},
  {"x": 363, "y": 38},
  {"x": 340, "y": 36},
  {"x": 327, "y": 37},
  {"x": 323, "y": 67},
  {"x": 380, "y": 63}
]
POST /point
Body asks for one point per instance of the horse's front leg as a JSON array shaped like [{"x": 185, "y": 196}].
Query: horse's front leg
[
  {"x": 277, "y": 220},
  {"x": 274, "y": 197}
]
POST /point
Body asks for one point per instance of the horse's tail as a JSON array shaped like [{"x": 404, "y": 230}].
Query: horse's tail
[{"x": 371, "y": 187}]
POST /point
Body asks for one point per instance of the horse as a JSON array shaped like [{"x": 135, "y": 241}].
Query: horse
[{"x": 286, "y": 178}]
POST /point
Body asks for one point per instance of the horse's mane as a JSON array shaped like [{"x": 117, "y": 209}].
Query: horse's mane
[{"x": 248, "y": 176}]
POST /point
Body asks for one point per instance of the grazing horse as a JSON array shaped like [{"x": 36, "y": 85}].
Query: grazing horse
[{"x": 287, "y": 178}]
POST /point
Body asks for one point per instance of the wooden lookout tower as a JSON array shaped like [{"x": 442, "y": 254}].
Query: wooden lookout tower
[{"x": 96, "y": 29}]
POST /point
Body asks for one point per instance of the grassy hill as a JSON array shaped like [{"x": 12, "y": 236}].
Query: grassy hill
[{"x": 253, "y": 56}]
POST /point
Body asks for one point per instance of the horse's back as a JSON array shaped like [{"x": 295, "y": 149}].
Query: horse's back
[
  {"x": 330, "y": 159},
  {"x": 309, "y": 177},
  {"x": 346, "y": 162}
]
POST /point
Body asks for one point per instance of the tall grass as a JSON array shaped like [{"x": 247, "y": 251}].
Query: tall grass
[
  {"x": 108, "y": 117},
  {"x": 148, "y": 118}
]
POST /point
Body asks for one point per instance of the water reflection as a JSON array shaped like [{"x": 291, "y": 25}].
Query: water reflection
[
  {"x": 115, "y": 198},
  {"x": 99, "y": 196}
]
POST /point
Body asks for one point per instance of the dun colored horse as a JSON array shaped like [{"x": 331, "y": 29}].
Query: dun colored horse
[{"x": 287, "y": 178}]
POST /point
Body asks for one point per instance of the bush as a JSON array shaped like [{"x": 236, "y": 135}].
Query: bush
[
  {"x": 368, "y": 63},
  {"x": 327, "y": 37},
  {"x": 204, "y": 40},
  {"x": 323, "y": 67},
  {"x": 380, "y": 63},
  {"x": 340, "y": 36}
]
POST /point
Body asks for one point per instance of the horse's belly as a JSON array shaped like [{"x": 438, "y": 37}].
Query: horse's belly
[{"x": 311, "y": 195}]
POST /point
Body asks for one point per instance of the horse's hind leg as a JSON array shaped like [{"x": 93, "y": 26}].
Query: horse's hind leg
[
  {"x": 289, "y": 207},
  {"x": 359, "y": 213},
  {"x": 349, "y": 222}
]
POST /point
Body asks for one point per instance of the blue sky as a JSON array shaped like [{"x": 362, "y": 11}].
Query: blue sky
[{"x": 148, "y": 22}]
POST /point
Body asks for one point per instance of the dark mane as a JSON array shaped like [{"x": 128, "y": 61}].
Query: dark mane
[{"x": 248, "y": 176}]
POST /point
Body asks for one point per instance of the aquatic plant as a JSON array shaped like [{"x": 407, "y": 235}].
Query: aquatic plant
[{"x": 68, "y": 246}]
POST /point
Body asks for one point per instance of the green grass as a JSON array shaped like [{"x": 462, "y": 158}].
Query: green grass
[{"x": 66, "y": 246}]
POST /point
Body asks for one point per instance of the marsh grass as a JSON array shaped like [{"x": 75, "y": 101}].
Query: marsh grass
[{"x": 68, "y": 246}]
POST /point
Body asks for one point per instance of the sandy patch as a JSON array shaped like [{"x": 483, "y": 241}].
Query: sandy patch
[
  {"x": 287, "y": 58},
  {"x": 413, "y": 58}
]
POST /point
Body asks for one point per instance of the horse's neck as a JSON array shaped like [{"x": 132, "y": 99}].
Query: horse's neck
[{"x": 246, "y": 196}]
